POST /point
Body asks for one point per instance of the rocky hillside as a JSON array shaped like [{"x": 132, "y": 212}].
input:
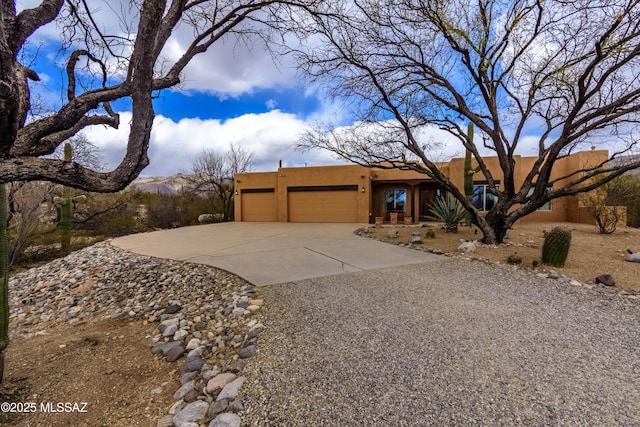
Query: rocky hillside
[{"x": 162, "y": 184}]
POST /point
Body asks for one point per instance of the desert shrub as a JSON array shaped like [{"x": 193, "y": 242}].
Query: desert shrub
[
  {"x": 514, "y": 259},
  {"x": 430, "y": 234},
  {"x": 164, "y": 211},
  {"x": 118, "y": 222},
  {"x": 448, "y": 210},
  {"x": 30, "y": 216},
  {"x": 607, "y": 217},
  {"x": 195, "y": 205},
  {"x": 175, "y": 210},
  {"x": 107, "y": 215},
  {"x": 625, "y": 191},
  {"x": 609, "y": 203}
]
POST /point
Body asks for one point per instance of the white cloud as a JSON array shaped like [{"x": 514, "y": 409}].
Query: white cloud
[
  {"x": 234, "y": 65},
  {"x": 233, "y": 69},
  {"x": 271, "y": 137}
]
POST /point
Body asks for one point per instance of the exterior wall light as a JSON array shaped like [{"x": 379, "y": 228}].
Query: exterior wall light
[{"x": 363, "y": 189}]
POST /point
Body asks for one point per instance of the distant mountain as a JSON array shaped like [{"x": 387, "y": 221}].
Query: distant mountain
[
  {"x": 173, "y": 184},
  {"x": 161, "y": 184}
]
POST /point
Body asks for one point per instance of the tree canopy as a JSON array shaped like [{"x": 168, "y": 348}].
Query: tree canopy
[
  {"x": 565, "y": 74},
  {"x": 100, "y": 68}
]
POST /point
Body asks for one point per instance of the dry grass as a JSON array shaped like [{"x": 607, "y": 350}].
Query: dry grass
[{"x": 591, "y": 253}]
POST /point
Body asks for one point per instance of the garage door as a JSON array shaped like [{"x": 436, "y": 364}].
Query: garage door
[
  {"x": 323, "y": 204},
  {"x": 259, "y": 205}
]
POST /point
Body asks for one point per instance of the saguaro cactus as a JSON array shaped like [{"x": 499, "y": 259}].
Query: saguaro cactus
[
  {"x": 556, "y": 247},
  {"x": 468, "y": 170},
  {"x": 4, "y": 281},
  {"x": 66, "y": 204}
]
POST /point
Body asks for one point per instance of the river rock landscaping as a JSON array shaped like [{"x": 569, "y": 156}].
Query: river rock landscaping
[{"x": 196, "y": 318}]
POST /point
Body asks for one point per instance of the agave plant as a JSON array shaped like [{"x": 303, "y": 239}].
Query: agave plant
[{"x": 448, "y": 210}]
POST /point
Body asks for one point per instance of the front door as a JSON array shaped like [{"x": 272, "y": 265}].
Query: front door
[{"x": 428, "y": 194}]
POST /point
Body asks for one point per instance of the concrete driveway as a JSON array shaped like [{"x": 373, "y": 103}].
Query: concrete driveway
[{"x": 268, "y": 253}]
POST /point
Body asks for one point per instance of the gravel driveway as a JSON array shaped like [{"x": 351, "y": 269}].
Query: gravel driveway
[{"x": 450, "y": 342}]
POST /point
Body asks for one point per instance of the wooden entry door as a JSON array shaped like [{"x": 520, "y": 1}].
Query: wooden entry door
[{"x": 427, "y": 198}]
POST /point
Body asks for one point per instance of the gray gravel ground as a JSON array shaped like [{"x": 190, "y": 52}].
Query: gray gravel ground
[{"x": 449, "y": 342}]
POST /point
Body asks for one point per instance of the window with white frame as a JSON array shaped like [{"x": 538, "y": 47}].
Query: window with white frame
[{"x": 483, "y": 200}]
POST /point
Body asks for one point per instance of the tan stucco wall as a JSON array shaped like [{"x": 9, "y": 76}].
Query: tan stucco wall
[
  {"x": 564, "y": 209},
  {"x": 308, "y": 177},
  {"x": 253, "y": 180}
]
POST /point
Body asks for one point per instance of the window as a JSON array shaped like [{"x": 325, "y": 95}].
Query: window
[
  {"x": 483, "y": 200},
  {"x": 546, "y": 206},
  {"x": 395, "y": 200}
]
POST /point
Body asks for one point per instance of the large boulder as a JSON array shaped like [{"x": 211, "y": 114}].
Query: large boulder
[{"x": 210, "y": 218}]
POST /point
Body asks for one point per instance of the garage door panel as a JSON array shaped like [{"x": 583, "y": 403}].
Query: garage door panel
[
  {"x": 259, "y": 207},
  {"x": 323, "y": 206}
]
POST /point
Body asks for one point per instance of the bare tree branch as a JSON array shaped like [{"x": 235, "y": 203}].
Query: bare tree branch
[
  {"x": 214, "y": 172},
  {"x": 566, "y": 72},
  {"x": 120, "y": 67}
]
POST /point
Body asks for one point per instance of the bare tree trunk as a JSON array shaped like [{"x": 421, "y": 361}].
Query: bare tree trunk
[{"x": 486, "y": 228}]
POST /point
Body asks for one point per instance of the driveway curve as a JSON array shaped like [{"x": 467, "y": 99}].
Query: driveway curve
[
  {"x": 362, "y": 333},
  {"x": 268, "y": 253}
]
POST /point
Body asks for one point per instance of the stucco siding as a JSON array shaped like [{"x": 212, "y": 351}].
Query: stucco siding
[{"x": 312, "y": 199}]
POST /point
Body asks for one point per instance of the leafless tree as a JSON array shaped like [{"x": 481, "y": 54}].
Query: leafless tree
[
  {"x": 100, "y": 68},
  {"x": 608, "y": 203},
  {"x": 213, "y": 172},
  {"x": 129, "y": 65},
  {"x": 567, "y": 72},
  {"x": 85, "y": 152},
  {"x": 28, "y": 213}
]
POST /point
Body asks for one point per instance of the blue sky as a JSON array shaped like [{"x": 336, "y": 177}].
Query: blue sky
[
  {"x": 233, "y": 94},
  {"x": 177, "y": 105}
]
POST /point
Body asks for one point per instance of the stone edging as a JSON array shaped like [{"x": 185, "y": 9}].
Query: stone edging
[{"x": 362, "y": 231}]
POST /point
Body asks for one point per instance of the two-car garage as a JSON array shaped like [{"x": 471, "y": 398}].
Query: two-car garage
[{"x": 304, "y": 194}]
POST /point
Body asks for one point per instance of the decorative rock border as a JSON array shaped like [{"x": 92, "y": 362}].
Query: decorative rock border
[
  {"x": 210, "y": 374},
  {"x": 203, "y": 318},
  {"x": 363, "y": 232}
]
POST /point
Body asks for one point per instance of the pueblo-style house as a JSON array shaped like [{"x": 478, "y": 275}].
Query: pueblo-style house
[{"x": 357, "y": 194}]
